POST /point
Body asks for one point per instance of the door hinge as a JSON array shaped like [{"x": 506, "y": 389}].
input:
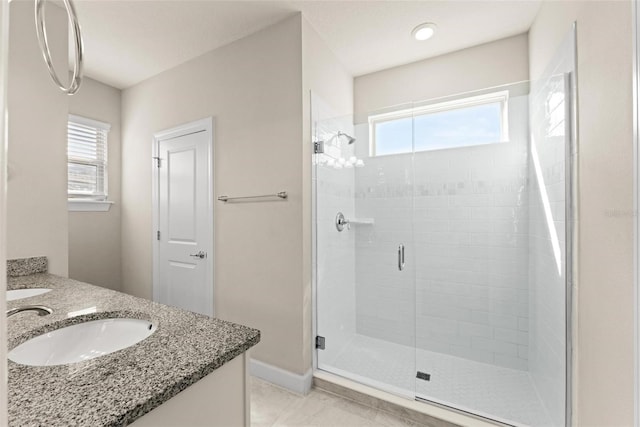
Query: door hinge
[
  {"x": 158, "y": 234},
  {"x": 157, "y": 159},
  {"x": 319, "y": 342},
  {"x": 318, "y": 147}
]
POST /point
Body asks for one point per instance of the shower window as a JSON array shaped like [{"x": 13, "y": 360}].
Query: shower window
[{"x": 463, "y": 122}]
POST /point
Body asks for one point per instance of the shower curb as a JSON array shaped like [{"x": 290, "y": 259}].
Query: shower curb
[
  {"x": 398, "y": 406},
  {"x": 381, "y": 404}
]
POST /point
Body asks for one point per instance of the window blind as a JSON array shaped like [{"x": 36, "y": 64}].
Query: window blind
[{"x": 87, "y": 158}]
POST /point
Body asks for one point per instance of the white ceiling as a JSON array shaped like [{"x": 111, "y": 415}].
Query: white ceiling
[{"x": 129, "y": 41}]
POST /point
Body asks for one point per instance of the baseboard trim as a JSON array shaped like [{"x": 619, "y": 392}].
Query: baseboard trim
[{"x": 300, "y": 384}]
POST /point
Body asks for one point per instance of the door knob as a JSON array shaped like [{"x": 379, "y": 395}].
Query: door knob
[{"x": 201, "y": 255}]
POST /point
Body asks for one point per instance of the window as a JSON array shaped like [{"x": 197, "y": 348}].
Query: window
[
  {"x": 87, "y": 158},
  {"x": 464, "y": 122}
]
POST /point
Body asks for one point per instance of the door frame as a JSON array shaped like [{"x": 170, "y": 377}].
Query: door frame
[{"x": 203, "y": 125}]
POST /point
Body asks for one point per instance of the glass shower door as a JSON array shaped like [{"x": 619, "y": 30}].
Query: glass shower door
[
  {"x": 489, "y": 225},
  {"x": 364, "y": 259}
]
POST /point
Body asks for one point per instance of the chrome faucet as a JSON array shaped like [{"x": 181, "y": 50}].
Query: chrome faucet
[{"x": 40, "y": 309}]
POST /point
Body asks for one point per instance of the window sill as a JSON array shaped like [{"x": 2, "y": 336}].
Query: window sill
[{"x": 88, "y": 205}]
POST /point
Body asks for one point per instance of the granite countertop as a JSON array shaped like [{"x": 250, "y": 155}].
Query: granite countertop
[{"x": 117, "y": 388}]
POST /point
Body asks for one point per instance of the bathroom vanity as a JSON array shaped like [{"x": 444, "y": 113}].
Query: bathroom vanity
[{"x": 192, "y": 370}]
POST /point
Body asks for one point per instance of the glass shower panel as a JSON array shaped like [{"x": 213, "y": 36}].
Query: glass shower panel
[
  {"x": 552, "y": 147},
  {"x": 489, "y": 264},
  {"x": 364, "y": 276}
]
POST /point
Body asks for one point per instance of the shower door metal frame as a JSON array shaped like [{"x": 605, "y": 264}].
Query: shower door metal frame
[
  {"x": 571, "y": 218},
  {"x": 636, "y": 206},
  {"x": 314, "y": 238}
]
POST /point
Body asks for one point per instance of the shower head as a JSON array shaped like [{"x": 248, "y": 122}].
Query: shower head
[{"x": 350, "y": 139}]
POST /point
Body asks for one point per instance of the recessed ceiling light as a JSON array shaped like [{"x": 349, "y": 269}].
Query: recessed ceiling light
[{"x": 424, "y": 31}]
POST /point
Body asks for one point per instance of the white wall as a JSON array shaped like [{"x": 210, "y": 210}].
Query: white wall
[
  {"x": 94, "y": 237},
  {"x": 257, "y": 90},
  {"x": 253, "y": 90},
  {"x": 603, "y": 383},
  {"x": 37, "y": 219},
  {"x": 491, "y": 64}
]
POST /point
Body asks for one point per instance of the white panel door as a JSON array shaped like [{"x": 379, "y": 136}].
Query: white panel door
[{"x": 184, "y": 277}]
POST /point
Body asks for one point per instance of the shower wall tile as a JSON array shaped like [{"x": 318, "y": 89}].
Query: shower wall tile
[
  {"x": 480, "y": 317},
  {"x": 523, "y": 351},
  {"x": 495, "y": 345},
  {"x": 428, "y": 343},
  {"x": 475, "y": 330},
  {"x": 503, "y": 321},
  {"x": 385, "y": 329},
  {"x": 466, "y": 352},
  {"x": 523, "y": 324},
  {"x": 511, "y": 362},
  {"x": 511, "y": 336}
]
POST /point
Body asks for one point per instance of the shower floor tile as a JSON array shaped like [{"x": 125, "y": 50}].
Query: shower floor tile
[{"x": 491, "y": 391}]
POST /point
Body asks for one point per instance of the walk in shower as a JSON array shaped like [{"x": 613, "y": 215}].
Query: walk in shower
[{"x": 442, "y": 247}]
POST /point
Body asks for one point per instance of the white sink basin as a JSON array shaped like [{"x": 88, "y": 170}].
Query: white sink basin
[
  {"x": 25, "y": 293},
  {"x": 82, "y": 341}
]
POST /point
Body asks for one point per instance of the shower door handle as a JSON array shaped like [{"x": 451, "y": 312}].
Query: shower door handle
[{"x": 401, "y": 257}]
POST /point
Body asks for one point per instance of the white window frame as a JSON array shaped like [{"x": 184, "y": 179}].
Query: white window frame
[
  {"x": 501, "y": 97},
  {"x": 91, "y": 203}
]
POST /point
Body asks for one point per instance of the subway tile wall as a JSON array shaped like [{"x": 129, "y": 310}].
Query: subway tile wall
[{"x": 463, "y": 219}]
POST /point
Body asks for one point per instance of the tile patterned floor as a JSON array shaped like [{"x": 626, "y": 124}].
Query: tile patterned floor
[
  {"x": 506, "y": 394},
  {"x": 274, "y": 406}
]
